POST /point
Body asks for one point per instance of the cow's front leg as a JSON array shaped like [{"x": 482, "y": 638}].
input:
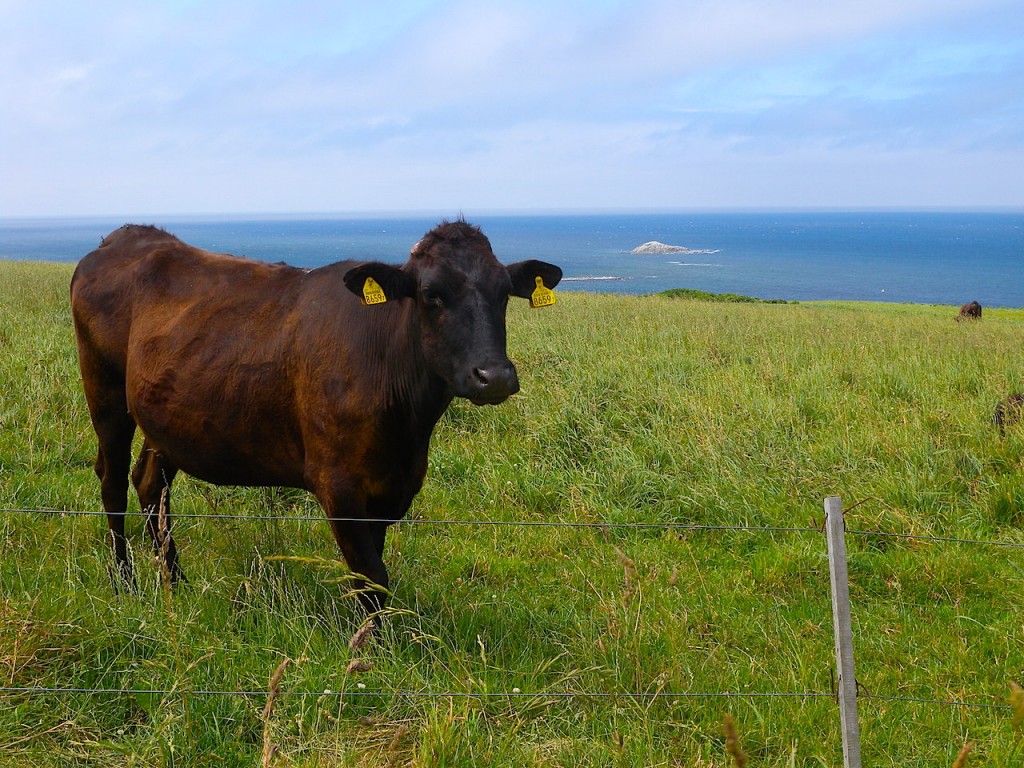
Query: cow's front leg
[
  {"x": 383, "y": 512},
  {"x": 358, "y": 541}
]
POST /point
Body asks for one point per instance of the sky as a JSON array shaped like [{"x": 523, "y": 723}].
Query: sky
[{"x": 328, "y": 106}]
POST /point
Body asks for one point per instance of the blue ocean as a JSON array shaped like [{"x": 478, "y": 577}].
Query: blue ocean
[{"x": 925, "y": 258}]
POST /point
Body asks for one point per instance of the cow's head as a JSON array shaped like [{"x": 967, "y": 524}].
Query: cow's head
[{"x": 461, "y": 292}]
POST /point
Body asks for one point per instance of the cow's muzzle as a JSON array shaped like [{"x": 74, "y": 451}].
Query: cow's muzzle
[{"x": 492, "y": 384}]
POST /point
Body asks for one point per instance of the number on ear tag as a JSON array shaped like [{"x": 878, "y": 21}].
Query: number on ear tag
[
  {"x": 372, "y": 292},
  {"x": 541, "y": 296}
]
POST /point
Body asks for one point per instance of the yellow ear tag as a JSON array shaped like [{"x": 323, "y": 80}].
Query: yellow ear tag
[
  {"x": 372, "y": 292},
  {"x": 541, "y": 296}
]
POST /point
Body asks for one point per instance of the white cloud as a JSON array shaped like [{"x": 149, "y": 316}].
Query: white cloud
[{"x": 233, "y": 105}]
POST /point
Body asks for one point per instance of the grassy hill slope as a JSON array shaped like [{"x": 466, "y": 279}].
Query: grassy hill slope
[{"x": 633, "y": 410}]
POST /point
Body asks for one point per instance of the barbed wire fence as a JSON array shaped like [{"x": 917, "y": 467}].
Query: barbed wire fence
[
  {"x": 408, "y": 521},
  {"x": 846, "y": 691}
]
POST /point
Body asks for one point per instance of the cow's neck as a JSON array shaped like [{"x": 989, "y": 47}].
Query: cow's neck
[{"x": 411, "y": 391}]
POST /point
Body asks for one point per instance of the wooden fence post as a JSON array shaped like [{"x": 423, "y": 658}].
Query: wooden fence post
[{"x": 847, "y": 681}]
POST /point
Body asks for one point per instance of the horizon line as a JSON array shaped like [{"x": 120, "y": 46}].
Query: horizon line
[{"x": 431, "y": 213}]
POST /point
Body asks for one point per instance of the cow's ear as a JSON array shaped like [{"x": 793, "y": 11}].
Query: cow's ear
[
  {"x": 371, "y": 280},
  {"x": 524, "y": 276}
]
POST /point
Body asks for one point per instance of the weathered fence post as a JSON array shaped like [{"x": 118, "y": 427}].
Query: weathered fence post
[{"x": 847, "y": 682}]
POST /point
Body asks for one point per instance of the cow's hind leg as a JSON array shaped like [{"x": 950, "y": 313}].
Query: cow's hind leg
[
  {"x": 115, "y": 429},
  {"x": 112, "y": 465},
  {"x": 152, "y": 477}
]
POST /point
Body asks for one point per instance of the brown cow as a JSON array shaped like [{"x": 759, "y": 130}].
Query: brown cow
[
  {"x": 971, "y": 311},
  {"x": 240, "y": 372}
]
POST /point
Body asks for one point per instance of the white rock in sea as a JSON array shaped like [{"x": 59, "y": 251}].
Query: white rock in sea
[{"x": 655, "y": 247}]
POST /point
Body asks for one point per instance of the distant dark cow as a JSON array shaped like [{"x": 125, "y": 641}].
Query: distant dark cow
[
  {"x": 970, "y": 311},
  {"x": 240, "y": 372},
  {"x": 1008, "y": 412}
]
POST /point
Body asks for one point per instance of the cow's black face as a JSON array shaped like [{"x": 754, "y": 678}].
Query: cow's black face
[
  {"x": 462, "y": 327},
  {"x": 461, "y": 293}
]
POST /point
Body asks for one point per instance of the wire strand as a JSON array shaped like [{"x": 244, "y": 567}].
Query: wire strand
[
  {"x": 69, "y": 690},
  {"x": 945, "y": 539},
  {"x": 526, "y": 524},
  {"x": 947, "y": 702},
  {"x": 419, "y": 694},
  {"x": 426, "y": 521}
]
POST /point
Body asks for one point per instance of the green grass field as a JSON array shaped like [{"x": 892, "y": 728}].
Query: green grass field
[{"x": 632, "y": 410}]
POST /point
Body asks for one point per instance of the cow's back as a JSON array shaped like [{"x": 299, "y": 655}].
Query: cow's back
[
  {"x": 144, "y": 275},
  {"x": 102, "y": 295}
]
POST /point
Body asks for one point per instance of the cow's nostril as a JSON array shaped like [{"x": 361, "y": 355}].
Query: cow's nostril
[{"x": 494, "y": 383}]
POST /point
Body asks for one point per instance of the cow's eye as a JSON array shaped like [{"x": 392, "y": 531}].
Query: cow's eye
[{"x": 432, "y": 298}]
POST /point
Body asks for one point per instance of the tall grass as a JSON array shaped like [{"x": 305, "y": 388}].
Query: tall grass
[{"x": 633, "y": 409}]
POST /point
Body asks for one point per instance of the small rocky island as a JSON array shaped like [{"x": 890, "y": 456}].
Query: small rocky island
[{"x": 654, "y": 247}]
